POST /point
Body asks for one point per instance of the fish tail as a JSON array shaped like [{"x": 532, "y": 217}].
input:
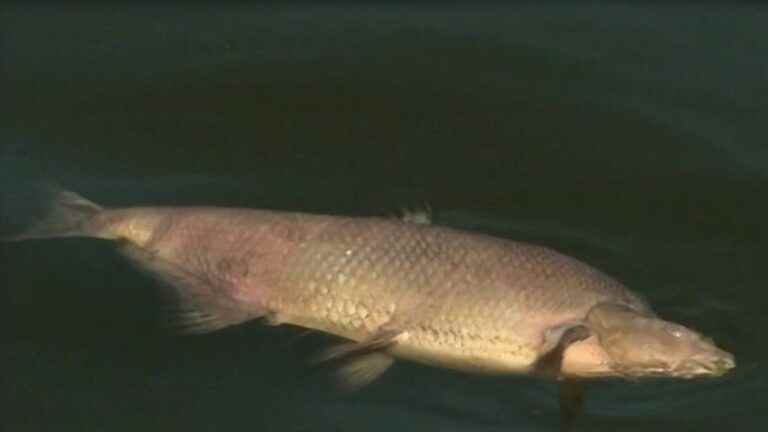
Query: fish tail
[{"x": 45, "y": 211}]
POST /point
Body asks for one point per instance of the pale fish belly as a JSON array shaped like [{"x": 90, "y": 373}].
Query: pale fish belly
[
  {"x": 465, "y": 351},
  {"x": 442, "y": 344}
]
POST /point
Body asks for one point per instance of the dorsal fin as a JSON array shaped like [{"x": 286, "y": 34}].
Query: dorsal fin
[{"x": 419, "y": 216}]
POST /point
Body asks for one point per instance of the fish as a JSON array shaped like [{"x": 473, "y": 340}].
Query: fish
[{"x": 393, "y": 288}]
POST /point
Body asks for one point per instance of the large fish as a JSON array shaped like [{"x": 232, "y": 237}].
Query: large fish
[{"x": 395, "y": 289}]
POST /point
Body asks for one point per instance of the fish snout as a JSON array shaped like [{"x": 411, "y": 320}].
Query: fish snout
[{"x": 712, "y": 362}]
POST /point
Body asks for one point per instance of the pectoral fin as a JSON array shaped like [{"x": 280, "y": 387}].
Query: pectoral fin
[
  {"x": 550, "y": 365},
  {"x": 571, "y": 403},
  {"x": 556, "y": 340}
]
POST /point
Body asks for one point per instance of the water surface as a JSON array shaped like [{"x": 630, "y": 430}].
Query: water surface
[{"x": 630, "y": 136}]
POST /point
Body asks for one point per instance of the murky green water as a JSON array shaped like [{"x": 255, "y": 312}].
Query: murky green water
[{"x": 629, "y": 136}]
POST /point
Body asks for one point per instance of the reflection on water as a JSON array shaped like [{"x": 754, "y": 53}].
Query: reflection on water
[{"x": 578, "y": 128}]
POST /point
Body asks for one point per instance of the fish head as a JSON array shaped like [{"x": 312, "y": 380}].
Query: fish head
[{"x": 642, "y": 345}]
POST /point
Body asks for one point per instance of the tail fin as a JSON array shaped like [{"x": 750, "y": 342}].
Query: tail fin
[{"x": 45, "y": 211}]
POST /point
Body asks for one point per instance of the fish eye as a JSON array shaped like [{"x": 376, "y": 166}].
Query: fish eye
[{"x": 674, "y": 331}]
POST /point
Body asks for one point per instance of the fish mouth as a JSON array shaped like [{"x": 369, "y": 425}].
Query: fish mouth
[
  {"x": 715, "y": 364},
  {"x": 712, "y": 364}
]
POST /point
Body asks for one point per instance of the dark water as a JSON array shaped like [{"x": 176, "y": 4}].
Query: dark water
[{"x": 631, "y": 136}]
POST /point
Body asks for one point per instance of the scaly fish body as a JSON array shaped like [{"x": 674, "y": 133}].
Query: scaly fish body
[
  {"x": 398, "y": 288},
  {"x": 461, "y": 300}
]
